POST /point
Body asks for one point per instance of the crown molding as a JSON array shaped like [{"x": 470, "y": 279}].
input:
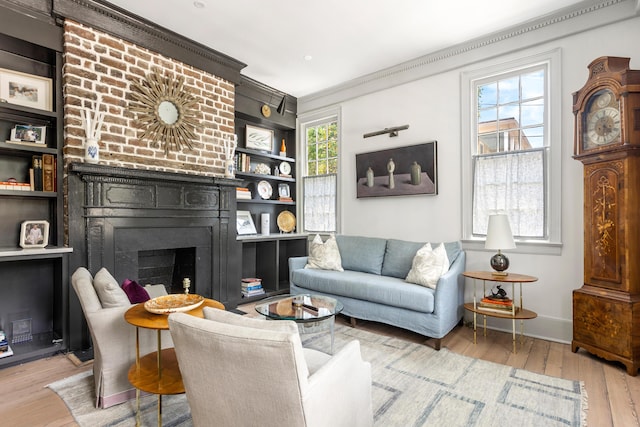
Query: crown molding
[
  {"x": 572, "y": 20},
  {"x": 134, "y": 29}
]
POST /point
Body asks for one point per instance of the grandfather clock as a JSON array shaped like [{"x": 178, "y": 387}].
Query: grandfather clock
[{"x": 606, "y": 309}]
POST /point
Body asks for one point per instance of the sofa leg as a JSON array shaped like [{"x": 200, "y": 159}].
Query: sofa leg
[
  {"x": 436, "y": 343},
  {"x": 352, "y": 320}
]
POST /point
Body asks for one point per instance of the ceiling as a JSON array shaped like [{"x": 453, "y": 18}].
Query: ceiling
[{"x": 303, "y": 46}]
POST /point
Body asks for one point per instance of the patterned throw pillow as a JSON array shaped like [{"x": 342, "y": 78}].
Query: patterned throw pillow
[
  {"x": 428, "y": 265},
  {"x": 324, "y": 256},
  {"x": 135, "y": 292}
]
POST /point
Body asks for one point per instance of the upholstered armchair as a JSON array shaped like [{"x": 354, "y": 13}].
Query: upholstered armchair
[
  {"x": 252, "y": 372},
  {"x": 114, "y": 340}
]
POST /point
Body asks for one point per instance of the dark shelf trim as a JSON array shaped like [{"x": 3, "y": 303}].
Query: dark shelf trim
[
  {"x": 265, "y": 155},
  {"x": 268, "y": 202},
  {"x": 26, "y": 149},
  {"x": 267, "y": 177},
  {"x": 36, "y": 194}
]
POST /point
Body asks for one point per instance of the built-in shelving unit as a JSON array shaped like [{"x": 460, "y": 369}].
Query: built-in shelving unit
[
  {"x": 34, "y": 287},
  {"x": 266, "y": 256}
]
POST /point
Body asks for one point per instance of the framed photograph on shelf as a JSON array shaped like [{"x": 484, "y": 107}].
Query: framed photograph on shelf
[
  {"x": 259, "y": 138},
  {"x": 34, "y": 234},
  {"x": 27, "y": 133},
  {"x": 244, "y": 223},
  {"x": 284, "y": 191},
  {"x": 24, "y": 89}
]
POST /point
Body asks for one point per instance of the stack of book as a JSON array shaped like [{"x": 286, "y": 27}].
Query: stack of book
[
  {"x": 497, "y": 305},
  {"x": 14, "y": 185},
  {"x": 5, "y": 349},
  {"x": 42, "y": 174},
  {"x": 252, "y": 286},
  {"x": 243, "y": 162},
  {"x": 243, "y": 193}
]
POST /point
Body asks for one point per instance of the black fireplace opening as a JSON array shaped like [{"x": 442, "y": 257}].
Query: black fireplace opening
[{"x": 168, "y": 267}]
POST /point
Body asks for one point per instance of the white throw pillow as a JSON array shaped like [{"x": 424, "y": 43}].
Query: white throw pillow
[
  {"x": 428, "y": 265},
  {"x": 108, "y": 290},
  {"x": 324, "y": 256}
]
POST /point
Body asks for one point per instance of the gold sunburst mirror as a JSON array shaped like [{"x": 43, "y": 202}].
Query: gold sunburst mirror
[{"x": 165, "y": 110}]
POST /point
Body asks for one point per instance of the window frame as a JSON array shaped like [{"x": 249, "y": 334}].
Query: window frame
[
  {"x": 306, "y": 120},
  {"x": 469, "y": 80}
]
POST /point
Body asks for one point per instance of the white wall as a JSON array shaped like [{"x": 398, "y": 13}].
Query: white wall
[{"x": 431, "y": 106}]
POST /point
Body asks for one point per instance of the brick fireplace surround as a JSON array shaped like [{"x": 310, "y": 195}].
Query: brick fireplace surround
[{"x": 138, "y": 198}]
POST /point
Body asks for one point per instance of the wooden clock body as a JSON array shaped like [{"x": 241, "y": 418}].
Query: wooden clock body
[{"x": 606, "y": 309}]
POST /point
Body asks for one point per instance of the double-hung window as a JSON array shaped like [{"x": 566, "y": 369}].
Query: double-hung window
[
  {"x": 320, "y": 139},
  {"x": 510, "y": 158}
]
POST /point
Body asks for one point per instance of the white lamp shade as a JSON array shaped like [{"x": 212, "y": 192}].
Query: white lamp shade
[{"x": 499, "y": 234}]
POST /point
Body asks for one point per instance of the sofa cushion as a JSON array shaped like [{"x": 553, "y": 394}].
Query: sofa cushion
[
  {"x": 399, "y": 256},
  {"x": 364, "y": 254},
  {"x": 385, "y": 290},
  {"x": 108, "y": 290},
  {"x": 428, "y": 265},
  {"x": 324, "y": 256}
]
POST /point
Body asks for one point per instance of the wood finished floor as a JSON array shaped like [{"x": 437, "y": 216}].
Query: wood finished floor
[{"x": 614, "y": 396}]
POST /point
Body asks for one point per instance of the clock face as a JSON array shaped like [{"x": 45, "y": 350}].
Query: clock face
[{"x": 601, "y": 120}]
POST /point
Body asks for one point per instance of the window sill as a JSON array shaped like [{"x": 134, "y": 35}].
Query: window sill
[{"x": 528, "y": 247}]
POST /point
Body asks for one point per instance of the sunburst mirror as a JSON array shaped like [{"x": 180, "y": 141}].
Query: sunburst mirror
[{"x": 165, "y": 110}]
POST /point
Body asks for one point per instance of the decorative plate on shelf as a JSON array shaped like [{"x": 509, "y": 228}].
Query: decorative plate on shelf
[
  {"x": 265, "y": 190},
  {"x": 173, "y": 303},
  {"x": 286, "y": 221}
]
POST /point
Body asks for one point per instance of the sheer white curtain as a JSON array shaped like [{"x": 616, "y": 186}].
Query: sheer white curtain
[
  {"x": 320, "y": 203},
  {"x": 514, "y": 184}
]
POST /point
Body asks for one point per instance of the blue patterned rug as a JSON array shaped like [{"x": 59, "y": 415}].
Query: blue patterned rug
[{"x": 413, "y": 385}]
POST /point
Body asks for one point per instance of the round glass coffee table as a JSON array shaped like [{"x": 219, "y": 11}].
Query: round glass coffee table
[{"x": 302, "y": 309}]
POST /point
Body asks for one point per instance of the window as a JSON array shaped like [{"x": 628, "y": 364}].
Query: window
[
  {"x": 512, "y": 150},
  {"x": 320, "y": 139}
]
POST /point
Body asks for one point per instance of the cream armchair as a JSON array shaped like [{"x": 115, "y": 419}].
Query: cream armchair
[
  {"x": 114, "y": 340},
  {"x": 248, "y": 372}
]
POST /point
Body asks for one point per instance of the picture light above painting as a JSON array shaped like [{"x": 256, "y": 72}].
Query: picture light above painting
[{"x": 401, "y": 171}]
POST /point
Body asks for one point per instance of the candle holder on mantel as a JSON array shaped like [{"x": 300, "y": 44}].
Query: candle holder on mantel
[{"x": 186, "y": 284}]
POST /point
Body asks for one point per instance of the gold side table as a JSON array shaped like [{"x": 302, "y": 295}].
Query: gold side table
[
  {"x": 157, "y": 372},
  {"x": 518, "y": 312}
]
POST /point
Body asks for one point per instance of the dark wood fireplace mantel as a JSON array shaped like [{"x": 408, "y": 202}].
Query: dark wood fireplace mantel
[{"x": 116, "y": 213}]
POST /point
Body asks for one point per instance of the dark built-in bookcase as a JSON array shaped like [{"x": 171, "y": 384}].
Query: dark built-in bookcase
[
  {"x": 267, "y": 256},
  {"x": 34, "y": 284}
]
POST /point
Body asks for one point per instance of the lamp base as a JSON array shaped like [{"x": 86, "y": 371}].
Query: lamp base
[
  {"x": 499, "y": 273},
  {"x": 499, "y": 263}
]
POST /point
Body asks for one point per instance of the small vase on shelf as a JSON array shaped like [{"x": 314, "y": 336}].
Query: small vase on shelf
[
  {"x": 91, "y": 150},
  {"x": 283, "y": 149}
]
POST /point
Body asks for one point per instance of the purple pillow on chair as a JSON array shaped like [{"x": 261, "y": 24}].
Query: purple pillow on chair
[{"x": 135, "y": 292}]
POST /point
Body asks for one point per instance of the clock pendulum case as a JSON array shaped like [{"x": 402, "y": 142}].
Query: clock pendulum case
[{"x": 606, "y": 309}]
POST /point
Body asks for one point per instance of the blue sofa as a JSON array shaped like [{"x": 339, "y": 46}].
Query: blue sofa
[{"x": 372, "y": 285}]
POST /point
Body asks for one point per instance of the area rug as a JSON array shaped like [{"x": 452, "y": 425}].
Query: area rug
[{"x": 413, "y": 385}]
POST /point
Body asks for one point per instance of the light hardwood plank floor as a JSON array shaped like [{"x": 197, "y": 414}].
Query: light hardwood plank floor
[{"x": 613, "y": 396}]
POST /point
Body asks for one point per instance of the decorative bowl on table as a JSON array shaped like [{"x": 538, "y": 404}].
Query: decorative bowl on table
[{"x": 173, "y": 303}]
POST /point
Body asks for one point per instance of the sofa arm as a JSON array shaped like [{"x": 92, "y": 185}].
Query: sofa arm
[
  {"x": 347, "y": 372},
  {"x": 296, "y": 263},
  {"x": 449, "y": 295}
]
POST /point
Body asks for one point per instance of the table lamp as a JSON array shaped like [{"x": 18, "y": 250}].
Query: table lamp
[{"x": 499, "y": 237}]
